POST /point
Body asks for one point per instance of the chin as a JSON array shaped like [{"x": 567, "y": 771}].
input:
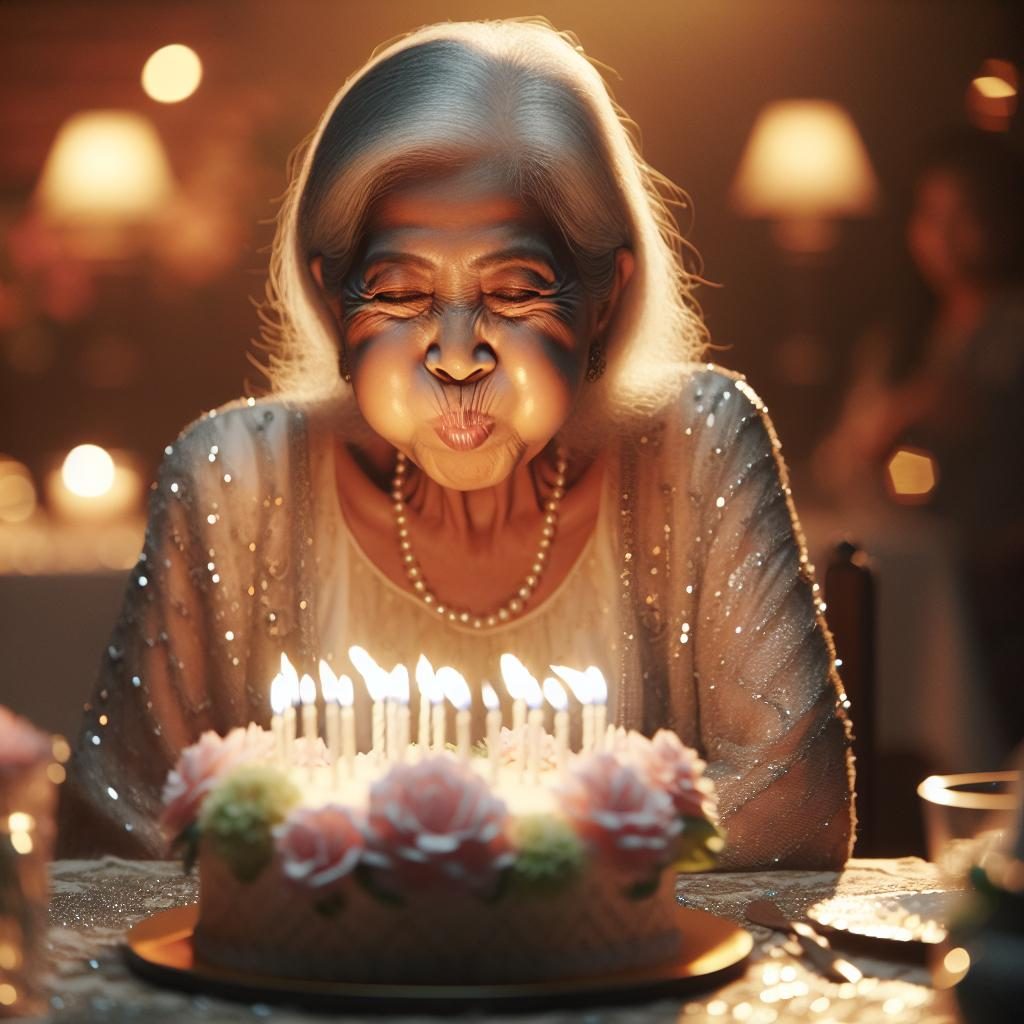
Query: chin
[{"x": 473, "y": 470}]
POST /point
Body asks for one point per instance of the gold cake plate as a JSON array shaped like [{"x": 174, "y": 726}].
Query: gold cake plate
[{"x": 712, "y": 951}]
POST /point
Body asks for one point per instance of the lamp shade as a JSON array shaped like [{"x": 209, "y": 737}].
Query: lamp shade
[
  {"x": 105, "y": 166},
  {"x": 804, "y": 160}
]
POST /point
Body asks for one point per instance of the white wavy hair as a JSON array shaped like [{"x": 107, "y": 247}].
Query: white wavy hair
[{"x": 522, "y": 96}]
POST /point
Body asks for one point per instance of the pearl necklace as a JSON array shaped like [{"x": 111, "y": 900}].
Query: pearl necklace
[{"x": 512, "y": 607}]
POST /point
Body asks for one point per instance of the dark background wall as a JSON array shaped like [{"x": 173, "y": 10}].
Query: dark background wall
[{"x": 143, "y": 351}]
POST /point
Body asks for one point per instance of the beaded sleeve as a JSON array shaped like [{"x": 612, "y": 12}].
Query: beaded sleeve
[
  {"x": 771, "y": 717},
  {"x": 189, "y": 649}
]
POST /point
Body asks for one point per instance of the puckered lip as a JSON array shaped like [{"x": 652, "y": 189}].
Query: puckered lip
[{"x": 463, "y": 430}]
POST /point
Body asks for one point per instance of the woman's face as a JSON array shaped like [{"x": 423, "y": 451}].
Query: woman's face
[
  {"x": 466, "y": 328},
  {"x": 944, "y": 235}
]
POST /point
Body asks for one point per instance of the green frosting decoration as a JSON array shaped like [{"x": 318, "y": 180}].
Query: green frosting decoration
[
  {"x": 237, "y": 817},
  {"x": 549, "y": 854}
]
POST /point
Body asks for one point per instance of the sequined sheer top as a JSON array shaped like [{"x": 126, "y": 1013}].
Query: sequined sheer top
[{"x": 693, "y": 595}]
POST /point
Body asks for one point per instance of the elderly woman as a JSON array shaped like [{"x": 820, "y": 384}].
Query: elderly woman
[{"x": 489, "y": 433}]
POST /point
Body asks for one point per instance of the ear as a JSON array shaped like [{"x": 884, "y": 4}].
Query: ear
[
  {"x": 316, "y": 268},
  {"x": 624, "y": 266}
]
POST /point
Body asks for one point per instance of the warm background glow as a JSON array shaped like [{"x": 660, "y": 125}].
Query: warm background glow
[{"x": 172, "y": 74}]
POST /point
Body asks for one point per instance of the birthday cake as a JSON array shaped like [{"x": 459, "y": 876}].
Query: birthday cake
[{"x": 518, "y": 860}]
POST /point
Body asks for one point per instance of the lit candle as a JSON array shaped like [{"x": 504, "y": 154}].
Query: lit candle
[
  {"x": 556, "y": 696},
  {"x": 291, "y": 678},
  {"x": 278, "y": 703},
  {"x": 456, "y": 689},
  {"x": 307, "y": 693},
  {"x": 513, "y": 673},
  {"x": 599, "y": 699},
  {"x": 425, "y": 685},
  {"x": 346, "y": 697},
  {"x": 400, "y": 697},
  {"x": 535, "y": 725},
  {"x": 493, "y": 729},
  {"x": 581, "y": 687},
  {"x": 332, "y": 714},
  {"x": 376, "y": 680}
]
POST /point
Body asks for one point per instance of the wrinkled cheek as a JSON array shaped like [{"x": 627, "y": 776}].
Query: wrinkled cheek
[
  {"x": 545, "y": 393},
  {"x": 385, "y": 394}
]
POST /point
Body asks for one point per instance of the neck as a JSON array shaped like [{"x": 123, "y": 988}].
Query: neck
[{"x": 482, "y": 518}]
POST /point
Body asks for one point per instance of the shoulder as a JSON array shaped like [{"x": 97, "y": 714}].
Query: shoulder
[
  {"x": 235, "y": 432},
  {"x": 719, "y": 406}
]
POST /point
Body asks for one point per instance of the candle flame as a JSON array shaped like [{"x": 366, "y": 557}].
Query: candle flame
[
  {"x": 518, "y": 681},
  {"x": 376, "y": 679},
  {"x": 598, "y": 687},
  {"x": 578, "y": 682},
  {"x": 307, "y": 689},
  {"x": 555, "y": 694},
  {"x": 491, "y": 697},
  {"x": 328, "y": 682},
  {"x": 424, "y": 673},
  {"x": 455, "y": 687},
  {"x": 346, "y": 692},
  {"x": 399, "y": 684},
  {"x": 288, "y": 670},
  {"x": 279, "y": 694},
  {"x": 426, "y": 681}
]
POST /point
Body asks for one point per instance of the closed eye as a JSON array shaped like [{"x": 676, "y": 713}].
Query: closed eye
[
  {"x": 515, "y": 295},
  {"x": 400, "y": 297}
]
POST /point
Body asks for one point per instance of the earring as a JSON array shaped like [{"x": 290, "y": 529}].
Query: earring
[
  {"x": 596, "y": 362},
  {"x": 346, "y": 373}
]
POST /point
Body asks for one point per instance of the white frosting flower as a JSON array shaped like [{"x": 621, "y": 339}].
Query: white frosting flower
[
  {"x": 318, "y": 846},
  {"x": 623, "y": 817},
  {"x": 201, "y": 765},
  {"x": 436, "y": 821}
]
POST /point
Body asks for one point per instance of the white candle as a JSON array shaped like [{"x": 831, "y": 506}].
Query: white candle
[
  {"x": 514, "y": 674},
  {"x": 456, "y": 689},
  {"x": 493, "y": 730},
  {"x": 599, "y": 699},
  {"x": 278, "y": 703},
  {"x": 307, "y": 694},
  {"x": 332, "y": 716},
  {"x": 346, "y": 696},
  {"x": 556, "y": 696},
  {"x": 425, "y": 686},
  {"x": 581, "y": 688},
  {"x": 376, "y": 680},
  {"x": 291, "y": 678},
  {"x": 400, "y": 699},
  {"x": 535, "y": 726}
]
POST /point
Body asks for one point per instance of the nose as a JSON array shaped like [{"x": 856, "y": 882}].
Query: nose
[{"x": 457, "y": 355}]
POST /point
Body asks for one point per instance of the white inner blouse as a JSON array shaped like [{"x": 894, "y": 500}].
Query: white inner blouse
[{"x": 578, "y": 624}]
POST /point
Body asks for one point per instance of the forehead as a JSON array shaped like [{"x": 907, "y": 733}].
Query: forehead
[{"x": 464, "y": 208}]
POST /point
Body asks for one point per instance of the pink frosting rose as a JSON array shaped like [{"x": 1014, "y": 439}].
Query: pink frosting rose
[
  {"x": 318, "y": 846},
  {"x": 437, "y": 821},
  {"x": 666, "y": 762},
  {"x": 21, "y": 743},
  {"x": 622, "y": 816},
  {"x": 201, "y": 765}
]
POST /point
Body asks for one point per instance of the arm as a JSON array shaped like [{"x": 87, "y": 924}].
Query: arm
[
  {"x": 169, "y": 672},
  {"x": 771, "y": 718}
]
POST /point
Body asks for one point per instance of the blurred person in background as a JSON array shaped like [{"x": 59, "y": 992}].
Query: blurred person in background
[{"x": 947, "y": 379}]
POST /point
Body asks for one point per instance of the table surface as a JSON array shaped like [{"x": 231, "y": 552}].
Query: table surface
[{"x": 94, "y": 902}]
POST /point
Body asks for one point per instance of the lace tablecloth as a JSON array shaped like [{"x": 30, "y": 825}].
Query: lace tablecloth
[{"x": 94, "y": 902}]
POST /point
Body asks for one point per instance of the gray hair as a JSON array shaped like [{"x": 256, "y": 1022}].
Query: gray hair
[{"x": 522, "y": 97}]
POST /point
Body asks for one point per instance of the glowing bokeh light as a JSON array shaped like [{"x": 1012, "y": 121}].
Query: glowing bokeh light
[
  {"x": 17, "y": 492},
  {"x": 912, "y": 474},
  {"x": 172, "y": 73},
  {"x": 88, "y": 471}
]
